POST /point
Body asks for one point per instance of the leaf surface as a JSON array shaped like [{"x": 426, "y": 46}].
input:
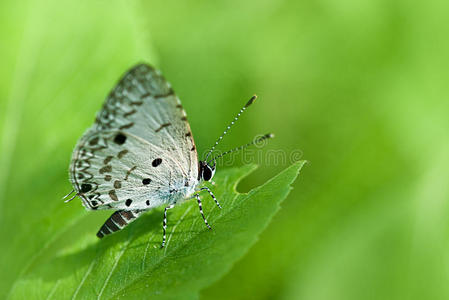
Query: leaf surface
[{"x": 130, "y": 263}]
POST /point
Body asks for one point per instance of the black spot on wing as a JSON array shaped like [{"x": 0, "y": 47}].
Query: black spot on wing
[
  {"x": 86, "y": 187},
  {"x": 120, "y": 139},
  {"x": 156, "y": 162}
]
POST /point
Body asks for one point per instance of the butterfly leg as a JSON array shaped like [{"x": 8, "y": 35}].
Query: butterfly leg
[
  {"x": 211, "y": 194},
  {"x": 164, "y": 224},
  {"x": 200, "y": 205}
]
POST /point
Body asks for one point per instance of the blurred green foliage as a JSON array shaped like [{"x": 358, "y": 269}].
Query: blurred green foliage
[{"x": 359, "y": 87}]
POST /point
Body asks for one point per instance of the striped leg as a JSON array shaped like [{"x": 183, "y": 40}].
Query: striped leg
[
  {"x": 117, "y": 221},
  {"x": 211, "y": 194},
  {"x": 200, "y": 205},
  {"x": 164, "y": 224}
]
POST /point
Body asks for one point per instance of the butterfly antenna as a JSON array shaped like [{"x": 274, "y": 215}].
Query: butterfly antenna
[
  {"x": 251, "y": 101},
  {"x": 68, "y": 195},
  {"x": 255, "y": 141}
]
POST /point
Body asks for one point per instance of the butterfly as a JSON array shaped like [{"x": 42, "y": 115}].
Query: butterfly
[{"x": 140, "y": 153}]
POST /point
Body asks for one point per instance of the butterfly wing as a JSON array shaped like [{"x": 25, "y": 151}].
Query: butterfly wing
[{"x": 140, "y": 152}]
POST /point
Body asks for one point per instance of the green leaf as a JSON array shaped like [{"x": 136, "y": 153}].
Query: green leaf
[{"x": 130, "y": 263}]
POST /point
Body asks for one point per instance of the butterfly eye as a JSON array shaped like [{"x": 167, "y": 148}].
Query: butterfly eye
[{"x": 207, "y": 173}]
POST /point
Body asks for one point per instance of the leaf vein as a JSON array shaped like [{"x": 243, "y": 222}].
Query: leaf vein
[
  {"x": 53, "y": 290},
  {"x": 84, "y": 278},
  {"x": 150, "y": 238},
  {"x": 113, "y": 269}
]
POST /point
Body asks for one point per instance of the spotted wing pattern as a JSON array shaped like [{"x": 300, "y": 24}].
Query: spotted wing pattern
[{"x": 140, "y": 152}]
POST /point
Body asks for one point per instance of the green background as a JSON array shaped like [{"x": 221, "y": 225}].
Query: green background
[{"x": 359, "y": 87}]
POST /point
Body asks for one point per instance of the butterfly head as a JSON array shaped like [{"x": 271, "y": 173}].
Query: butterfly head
[{"x": 207, "y": 171}]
